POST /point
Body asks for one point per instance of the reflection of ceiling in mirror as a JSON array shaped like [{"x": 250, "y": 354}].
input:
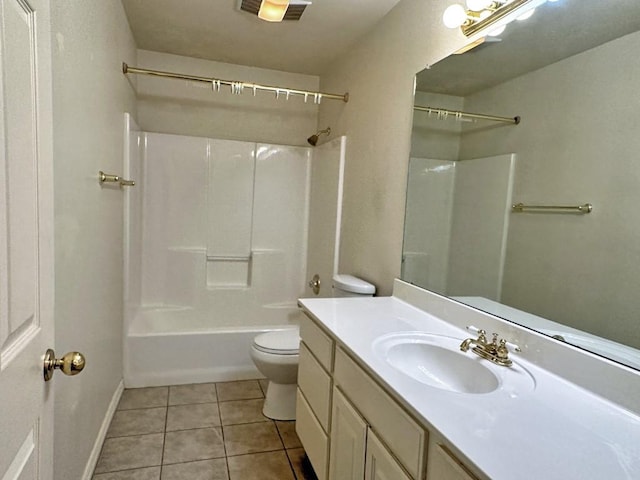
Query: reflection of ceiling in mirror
[{"x": 556, "y": 31}]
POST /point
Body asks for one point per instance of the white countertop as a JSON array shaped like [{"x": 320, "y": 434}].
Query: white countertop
[{"x": 555, "y": 431}]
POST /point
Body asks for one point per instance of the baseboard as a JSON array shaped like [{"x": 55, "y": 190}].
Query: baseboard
[
  {"x": 186, "y": 376},
  {"x": 102, "y": 433}
]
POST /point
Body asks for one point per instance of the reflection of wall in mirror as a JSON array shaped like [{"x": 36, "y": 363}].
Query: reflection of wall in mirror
[{"x": 577, "y": 143}]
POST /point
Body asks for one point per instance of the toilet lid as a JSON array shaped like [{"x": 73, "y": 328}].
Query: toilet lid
[{"x": 280, "y": 342}]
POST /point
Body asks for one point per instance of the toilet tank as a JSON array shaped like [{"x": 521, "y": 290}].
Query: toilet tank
[{"x": 350, "y": 286}]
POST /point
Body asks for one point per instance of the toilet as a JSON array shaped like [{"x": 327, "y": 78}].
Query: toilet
[{"x": 275, "y": 354}]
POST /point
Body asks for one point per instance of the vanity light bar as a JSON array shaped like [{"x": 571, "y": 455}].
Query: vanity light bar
[{"x": 495, "y": 15}]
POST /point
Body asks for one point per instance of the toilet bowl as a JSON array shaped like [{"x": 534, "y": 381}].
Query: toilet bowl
[{"x": 275, "y": 355}]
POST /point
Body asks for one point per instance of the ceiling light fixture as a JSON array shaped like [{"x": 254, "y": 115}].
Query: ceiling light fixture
[
  {"x": 273, "y": 10},
  {"x": 482, "y": 14}
]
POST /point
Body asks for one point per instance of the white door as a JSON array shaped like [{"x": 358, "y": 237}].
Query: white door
[
  {"x": 26, "y": 240},
  {"x": 325, "y": 207}
]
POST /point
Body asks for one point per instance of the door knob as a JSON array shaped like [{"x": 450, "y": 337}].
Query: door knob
[
  {"x": 71, "y": 363},
  {"x": 314, "y": 283}
]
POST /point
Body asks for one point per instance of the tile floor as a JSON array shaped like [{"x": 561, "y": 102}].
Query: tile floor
[{"x": 212, "y": 431}]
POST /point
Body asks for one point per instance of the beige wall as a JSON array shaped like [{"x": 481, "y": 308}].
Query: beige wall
[
  {"x": 378, "y": 72},
  {"x": 192, "y": 108},
  {"x": 578, "y": 142},
  {"x": 90, "y": 94}
]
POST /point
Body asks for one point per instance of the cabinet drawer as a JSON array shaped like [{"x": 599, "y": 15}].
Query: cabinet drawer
[
  {"x": 318, "y": 342},
  {"x": 313, "y": 438},
  {"x": 443, "y": 464},
  {"x": 315, "y": 384},
  {"x": 404, "y": 437}
]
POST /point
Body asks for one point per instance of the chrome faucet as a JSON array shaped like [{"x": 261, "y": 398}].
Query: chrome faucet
[{"x": 496, "y": 351}]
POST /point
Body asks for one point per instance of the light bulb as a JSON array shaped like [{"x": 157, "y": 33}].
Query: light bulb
[
  {"x": 273, "y": 10},
  {"x": 526, "y": 15},
  {"x": 454, "y": 16},
  {"x": 478, "y": 5},
  {"x": 497, "y": 31}
]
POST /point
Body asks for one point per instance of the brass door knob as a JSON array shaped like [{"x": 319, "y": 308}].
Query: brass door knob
[
  {"x": 71, "y": 363},
  {"x": 314, "y": 283}
]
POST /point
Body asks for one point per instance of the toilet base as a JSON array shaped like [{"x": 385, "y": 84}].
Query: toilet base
[{"x": 280, "y": 401}]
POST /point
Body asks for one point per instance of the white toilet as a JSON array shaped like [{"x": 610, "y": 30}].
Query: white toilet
[{"x": 275, "y": 354}]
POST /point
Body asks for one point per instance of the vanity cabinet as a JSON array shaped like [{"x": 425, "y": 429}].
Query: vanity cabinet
[{"x": 352, "y": 429}]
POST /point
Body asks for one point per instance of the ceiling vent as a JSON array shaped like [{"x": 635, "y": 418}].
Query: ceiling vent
[{"x": 294, "y": 11}]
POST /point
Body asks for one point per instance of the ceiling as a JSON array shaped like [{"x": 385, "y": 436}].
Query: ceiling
[
  {"x": 217, "y": 30},
  {"x": 556, "y": 31}
]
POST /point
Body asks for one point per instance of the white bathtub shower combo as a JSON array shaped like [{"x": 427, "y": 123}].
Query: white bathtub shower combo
[{"x": 215, "y": 253}]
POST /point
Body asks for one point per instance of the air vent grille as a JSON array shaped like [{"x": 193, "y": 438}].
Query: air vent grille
[{"x": 294, "y": 12}]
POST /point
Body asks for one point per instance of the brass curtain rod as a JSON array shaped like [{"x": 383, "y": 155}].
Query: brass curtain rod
[
  {"x": 521, "y": 207},
  {"x": 238, "y": 87},
  {"x": 444, "y": 113}
]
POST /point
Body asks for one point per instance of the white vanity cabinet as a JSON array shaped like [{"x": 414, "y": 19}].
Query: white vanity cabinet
[
  {"x": 352, "y": 429},
  {"x": 313, "y": 399}
]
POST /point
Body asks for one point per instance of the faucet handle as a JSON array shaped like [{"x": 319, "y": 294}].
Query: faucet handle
[{"x": 512, "y": 347}]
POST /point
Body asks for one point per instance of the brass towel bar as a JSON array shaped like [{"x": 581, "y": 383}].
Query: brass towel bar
[{"x": 584, "y": 209}]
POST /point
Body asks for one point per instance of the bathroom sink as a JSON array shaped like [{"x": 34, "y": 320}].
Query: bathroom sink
[{"x": 436, "y": 361}]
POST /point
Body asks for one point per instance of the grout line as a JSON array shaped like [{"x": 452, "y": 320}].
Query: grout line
[
  {"x": 164, "y": 436},
  {"x": 125, "y": 470},
  {"x": 285, "y": 451},
  {"x": 224, "y": 444}
]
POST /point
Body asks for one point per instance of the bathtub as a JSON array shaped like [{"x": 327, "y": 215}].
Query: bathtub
[{"x": 171, "y": 347}]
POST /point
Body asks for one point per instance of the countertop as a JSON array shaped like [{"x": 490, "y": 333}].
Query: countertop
[{"x": 557, "y": 430}]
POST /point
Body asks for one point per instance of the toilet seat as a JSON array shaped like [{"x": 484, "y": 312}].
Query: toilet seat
[{"x": 280, "y": 342}]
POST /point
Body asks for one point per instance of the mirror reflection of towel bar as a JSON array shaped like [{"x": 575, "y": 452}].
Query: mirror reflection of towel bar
[
  {"x": 108, "y": 178},
  {"x": 584, "y": 209}
]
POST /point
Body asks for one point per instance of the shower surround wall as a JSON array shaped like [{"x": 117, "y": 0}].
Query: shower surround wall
[{"x": 224, "y": 234}]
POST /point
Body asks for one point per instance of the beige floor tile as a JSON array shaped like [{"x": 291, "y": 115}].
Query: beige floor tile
[
  {"x": 196, "y": 393},
  {"x": 242, "y": 411},
  {"x": 243, "y": 390},
  {"x": 192, "y": 445},
  {"x": 251, "y": 438},
  {"x": 137, "y": 422},
  {"x": 204, "y": 470},
  {"x": 151, "y": 473},
  {"x": 301, "y": 465},
  {"x": 288, "y": 433},
  {"x": 144, "y": 398},
  {"x": 185, "y": 417},
  {"x": 264, "y": 383},
  {"x": 126, "y": 453},
  {"x": 260, "y": 466}
]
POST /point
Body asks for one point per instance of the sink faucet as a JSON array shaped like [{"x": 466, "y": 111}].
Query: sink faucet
[{"x": 495, "y": 351}]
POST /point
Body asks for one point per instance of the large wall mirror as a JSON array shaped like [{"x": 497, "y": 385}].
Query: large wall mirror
[{"x": 572, "y": 73}]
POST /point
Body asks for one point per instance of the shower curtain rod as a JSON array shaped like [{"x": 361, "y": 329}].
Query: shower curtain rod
[
  {"x": 238, "y": 87},
  {"x": 444, "y": 113}
]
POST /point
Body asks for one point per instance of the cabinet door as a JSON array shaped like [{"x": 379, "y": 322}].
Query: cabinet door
[
  {"x": 380, "y": 464},
  {"x": 443, "y": 465},
  {"x": 348, "y": 440}
]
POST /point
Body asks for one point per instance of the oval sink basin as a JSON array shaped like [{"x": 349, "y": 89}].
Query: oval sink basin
[{"x": 436, "y": 360}]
